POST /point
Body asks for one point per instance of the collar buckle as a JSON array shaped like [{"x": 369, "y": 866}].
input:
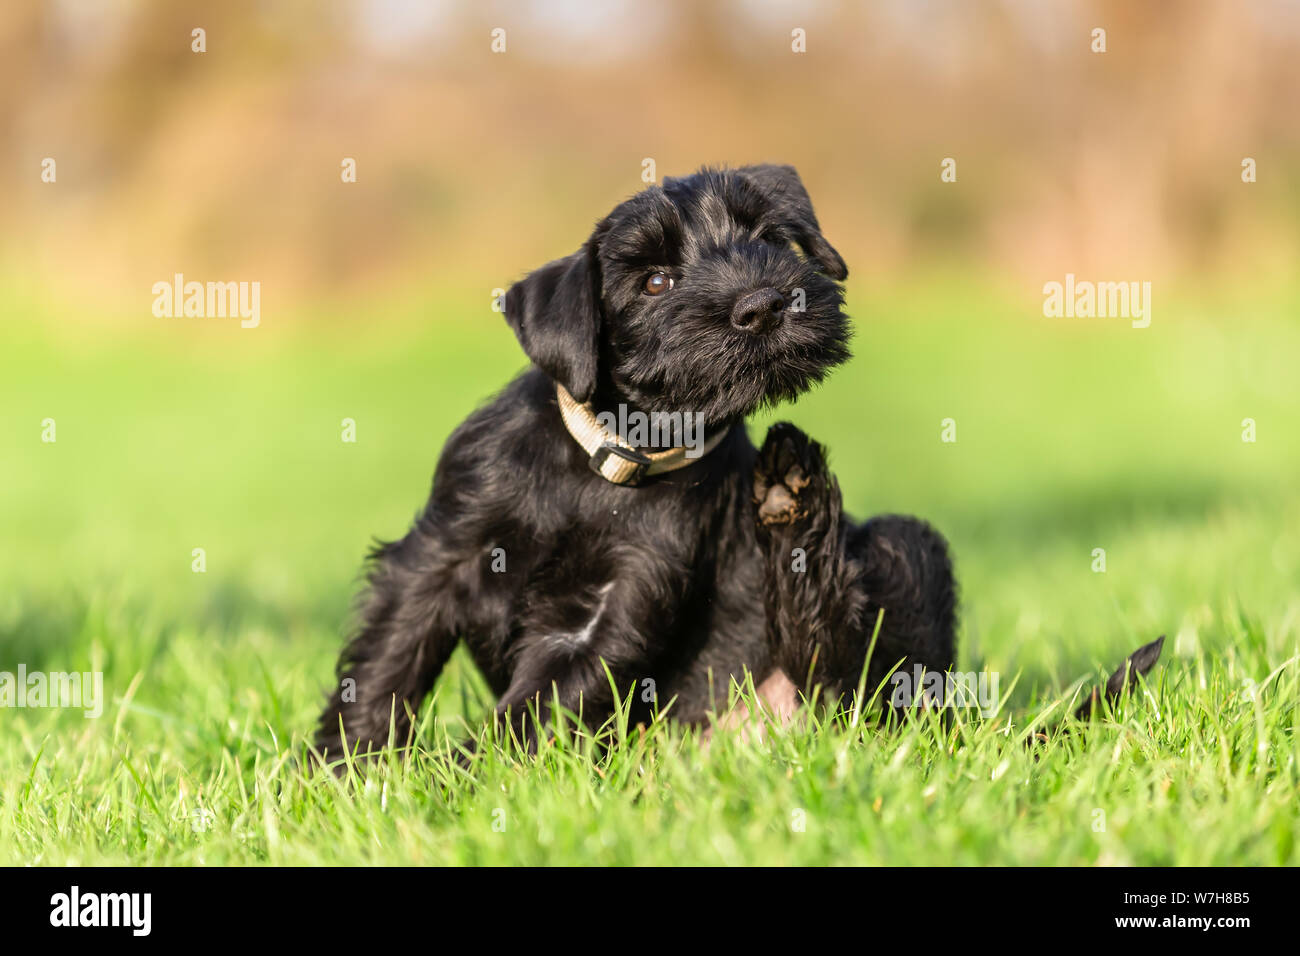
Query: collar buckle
[{"x": 640, "y": 464}]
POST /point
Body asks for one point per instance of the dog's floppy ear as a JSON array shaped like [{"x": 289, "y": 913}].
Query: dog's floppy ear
[
  {"x": 555, "y": 312},
  {"x": 784, "y": 189}
]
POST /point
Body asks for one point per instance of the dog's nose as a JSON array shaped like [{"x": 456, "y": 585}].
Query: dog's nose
[{"x": 758, "y": 311}]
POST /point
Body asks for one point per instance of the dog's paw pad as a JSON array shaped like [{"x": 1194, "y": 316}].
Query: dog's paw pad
[
  {"x": 779, "y": 506},
  {"x": 796, "y": 479},
  {"x": 789, "y": 474}
]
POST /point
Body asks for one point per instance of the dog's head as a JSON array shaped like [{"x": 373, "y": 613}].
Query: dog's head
[{"x": 692, "y": 297}]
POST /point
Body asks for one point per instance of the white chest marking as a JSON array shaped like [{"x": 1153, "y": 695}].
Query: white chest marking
[{"x": 582, "y": 638}]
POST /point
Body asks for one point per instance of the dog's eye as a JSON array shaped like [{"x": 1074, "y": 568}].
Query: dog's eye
[{"x": 657, "y": 283}]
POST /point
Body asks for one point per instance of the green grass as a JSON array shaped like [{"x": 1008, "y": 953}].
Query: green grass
[{"x": 175, "y": 434}]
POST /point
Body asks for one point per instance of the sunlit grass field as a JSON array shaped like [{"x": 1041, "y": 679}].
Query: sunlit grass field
[{"x": 1072, "y": 435}]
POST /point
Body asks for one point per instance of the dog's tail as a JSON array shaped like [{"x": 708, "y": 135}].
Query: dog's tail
[{"x": 1138, "y": 664}]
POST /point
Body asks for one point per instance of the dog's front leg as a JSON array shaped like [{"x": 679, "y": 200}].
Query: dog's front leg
[
  {"x": 581, "y": 663},
  {"x": 579, "y": 687}
]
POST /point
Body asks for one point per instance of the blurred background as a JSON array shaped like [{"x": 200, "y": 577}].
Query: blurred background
[{"x": 474, "y": 166}]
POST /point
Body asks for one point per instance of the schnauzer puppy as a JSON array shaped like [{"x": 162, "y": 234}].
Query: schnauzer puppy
[{"x": 576, "y": 563}]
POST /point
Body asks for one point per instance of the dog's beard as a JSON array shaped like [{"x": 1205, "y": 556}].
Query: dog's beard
[{"x": 695, "y": 361}]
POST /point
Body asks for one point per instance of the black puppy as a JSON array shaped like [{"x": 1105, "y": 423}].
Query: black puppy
[{"x": 556, "y": 549}]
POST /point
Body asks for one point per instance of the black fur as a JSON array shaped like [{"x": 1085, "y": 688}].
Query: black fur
[
  {"x": 828, "y": 578},
  {"x": 663, "y": 582}
]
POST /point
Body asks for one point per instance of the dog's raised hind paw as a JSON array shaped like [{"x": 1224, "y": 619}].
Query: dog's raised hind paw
[{"x": 789, "y": 476}]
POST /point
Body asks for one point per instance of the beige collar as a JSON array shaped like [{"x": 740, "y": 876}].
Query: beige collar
[{"x": 613, "y": 458}]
